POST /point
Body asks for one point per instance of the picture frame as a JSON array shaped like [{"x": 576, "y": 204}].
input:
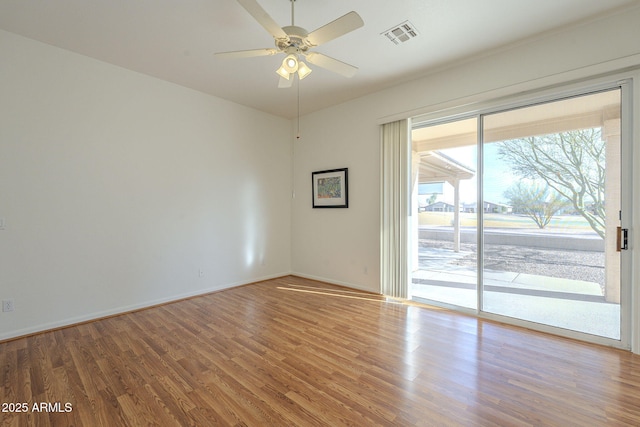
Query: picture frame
[{"x": 330, "y": 188}]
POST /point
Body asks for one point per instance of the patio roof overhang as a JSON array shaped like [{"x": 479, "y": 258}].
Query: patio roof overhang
[
  {"x": 437, "y": 167},
  {"x": 542, "y": 119}
]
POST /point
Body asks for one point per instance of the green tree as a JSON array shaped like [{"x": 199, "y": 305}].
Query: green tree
[
  {"x": 572, "y": 163},
  {"x": 538, "y": 202}
]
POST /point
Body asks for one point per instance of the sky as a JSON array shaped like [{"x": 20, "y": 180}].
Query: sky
[{"x": 496, "y": 173}]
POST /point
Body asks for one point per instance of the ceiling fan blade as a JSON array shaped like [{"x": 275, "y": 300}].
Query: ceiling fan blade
[
  {"x": 263, "y": 18},
  {"x": 236, "y": 54},
  {"x": 284, "y": 83},
  {"x": 331, "y": 64},
  {"x": 341, "y": 26}
]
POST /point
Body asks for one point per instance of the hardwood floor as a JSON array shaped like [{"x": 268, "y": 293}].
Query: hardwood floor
[{"x": 297, "y": 352}]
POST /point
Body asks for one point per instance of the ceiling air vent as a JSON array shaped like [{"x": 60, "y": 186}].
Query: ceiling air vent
[{"x": 401, "y": 33}]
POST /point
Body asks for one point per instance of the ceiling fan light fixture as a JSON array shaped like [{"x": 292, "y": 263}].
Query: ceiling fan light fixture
[
  {"x": 303, "y": 70},
  {"x": 282, "y": 72},
  {"x": 290, "y": 63}
]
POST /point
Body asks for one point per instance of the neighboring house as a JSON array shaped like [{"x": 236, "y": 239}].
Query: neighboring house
[
  {"x": 489, "y": 207},
  {"x": 439, "y": 207}
]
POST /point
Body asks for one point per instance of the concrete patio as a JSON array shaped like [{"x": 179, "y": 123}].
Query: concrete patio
[{"x": 570, "y": 304}]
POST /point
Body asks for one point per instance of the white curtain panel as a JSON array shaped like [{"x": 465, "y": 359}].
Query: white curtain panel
[{"x": 396, "y": 198}]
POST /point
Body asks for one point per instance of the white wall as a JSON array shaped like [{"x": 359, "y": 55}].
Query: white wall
[
  {"x": 342, "y": 246},
  {"x": 117, "y": 188},
  {"x": 338, "y": 245}
]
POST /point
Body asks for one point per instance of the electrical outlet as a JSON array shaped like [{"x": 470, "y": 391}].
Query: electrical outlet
[{"x": 8, "y": 305}]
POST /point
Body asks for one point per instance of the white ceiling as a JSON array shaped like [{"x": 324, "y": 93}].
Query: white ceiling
[{"x": 174, "y": 40}]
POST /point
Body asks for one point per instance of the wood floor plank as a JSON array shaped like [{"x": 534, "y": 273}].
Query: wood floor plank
[{"x": 296, "y": 352}]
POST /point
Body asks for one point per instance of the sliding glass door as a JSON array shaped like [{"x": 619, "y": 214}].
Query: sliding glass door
[
  {"x": 551, "y": 190},
  {"x": 518, "y": 213},
  {"x": 445, "y": 231}
]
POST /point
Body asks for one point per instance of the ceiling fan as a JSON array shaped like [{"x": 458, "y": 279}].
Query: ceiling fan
[{"x": 297, "y": 43}]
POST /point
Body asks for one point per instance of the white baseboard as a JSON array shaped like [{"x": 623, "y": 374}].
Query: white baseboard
[
  {"x": 127, "y": 309},
  {"x": 335, "y": 282}
]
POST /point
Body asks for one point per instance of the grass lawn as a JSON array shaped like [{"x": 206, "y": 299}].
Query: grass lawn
[{"x": 558, "y": 223}]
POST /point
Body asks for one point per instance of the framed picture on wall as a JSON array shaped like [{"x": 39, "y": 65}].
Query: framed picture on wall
[{"x": 331, "y": 188}]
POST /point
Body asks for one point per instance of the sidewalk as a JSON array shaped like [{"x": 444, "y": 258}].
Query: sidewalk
[{"x": 570, "y": 304}]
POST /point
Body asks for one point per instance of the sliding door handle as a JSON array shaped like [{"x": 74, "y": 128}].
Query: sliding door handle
[{"x": 622, "y": 239}]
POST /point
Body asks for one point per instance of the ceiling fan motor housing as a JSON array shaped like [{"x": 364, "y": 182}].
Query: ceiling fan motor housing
[{"x": 296, "y": 42}]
